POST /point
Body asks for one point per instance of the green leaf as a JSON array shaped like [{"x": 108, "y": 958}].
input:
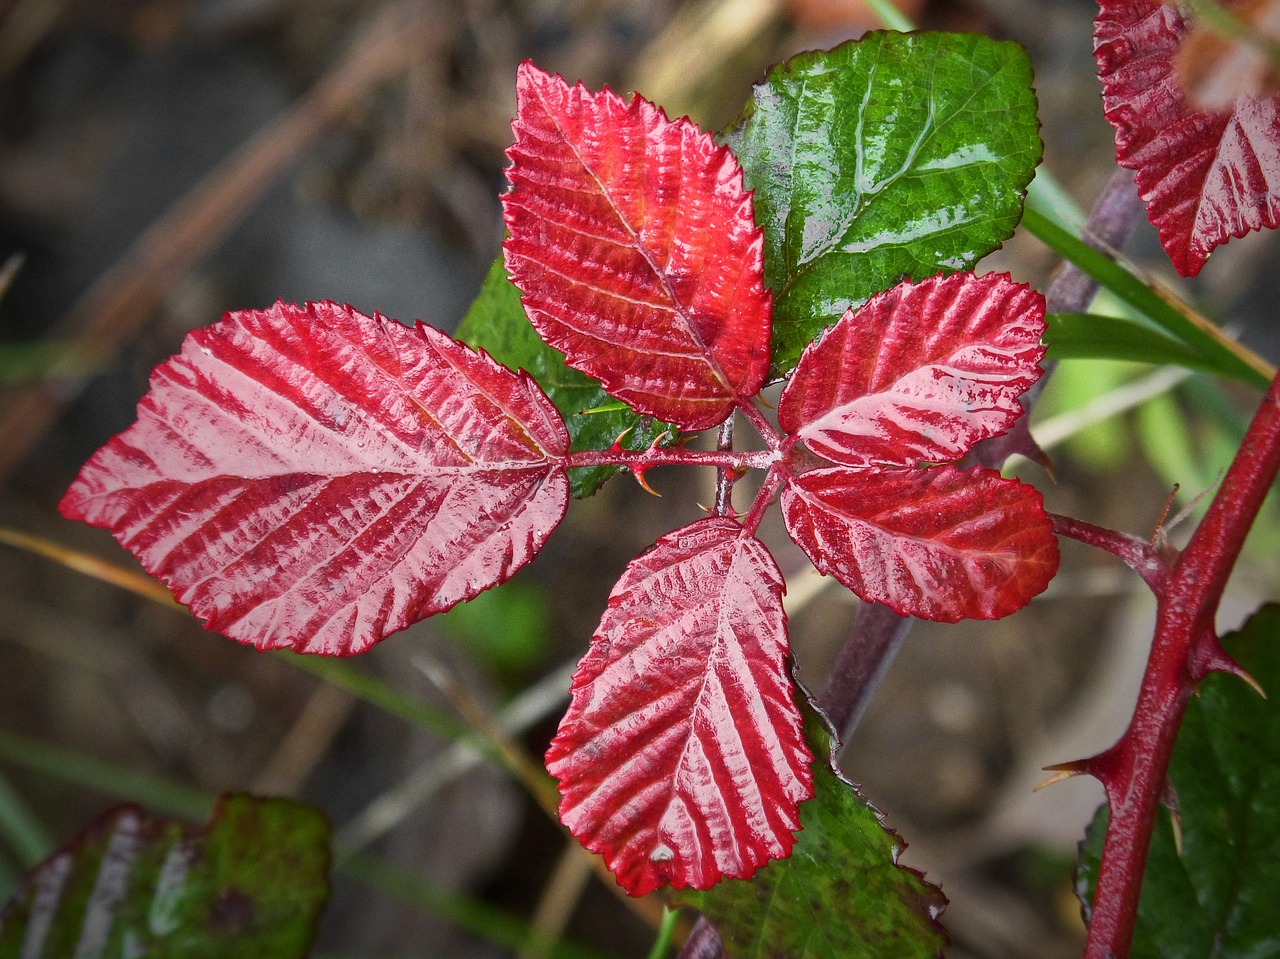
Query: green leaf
[
  {"x": 1090, "y": 336},
  {"x": 497, "y": 324},
  {"x": 1218, "y": 898},
  {"x": 250, "y": 883},
  {"x": 895, "y": 155},
  {"x": 841, "y": 894}
]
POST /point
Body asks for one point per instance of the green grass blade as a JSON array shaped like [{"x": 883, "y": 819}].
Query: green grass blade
[
  {"x": 1091, "y": 336},
  {"x": 1205, "y": 341},
  {"x": 20, "y": 828}
]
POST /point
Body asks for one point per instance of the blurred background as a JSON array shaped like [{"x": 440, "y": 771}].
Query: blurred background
[{"x": 162, "y": 161}]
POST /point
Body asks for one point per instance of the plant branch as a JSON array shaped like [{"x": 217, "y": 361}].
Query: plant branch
[
  {"x": 642, "y": 460},
  {"x": 877, "y": 635},
  {"x": 724, "y": 477},
  {"x": 1140, "y": 556},
  {"x": 1184, "y": 651}
]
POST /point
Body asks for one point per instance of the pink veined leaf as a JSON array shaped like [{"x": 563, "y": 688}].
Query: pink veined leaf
[
  {"x": 313, "y": 478},
  {"x": 633, "y": 242},
  {"x": 941, "y": 543},
  {"x": 918, "y": 374},
  {"x": 1205, "y": 175},
  {"x": 682, "y": 758}
]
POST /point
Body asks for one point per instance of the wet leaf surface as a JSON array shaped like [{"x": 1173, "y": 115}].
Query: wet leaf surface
[
  {"x": 313, "y": 478},
  {"x": 895, "y": 155},
  {"x": 250, "y": 883},
  {"x": 633, "y": 241},
  {"x": 497, "y": 324},
  {"x": 681, "y": 758},
  {"x": 1205, "y": 175},
  {"x": 1216, "y": 896},
  {"x": 841, "y": 895},
  {"x": 918, "y": 374},
  {"x": 941, "y": 543}
]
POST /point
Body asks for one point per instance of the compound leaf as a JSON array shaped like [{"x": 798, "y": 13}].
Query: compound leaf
[
  {"x": 940, "y": 543},
  {"x": 633, "y": 241},
  {"x": 918, "y": 374},
  {"x": 841, "y": 894},
  {"x": 681, "y": 758},
  {"x": 1215, "y": 895},
  {"x": 310, "y": 477},
  {"x": 250, "y": 883},
  {"x": 1205, "y": 175},
  {"x": 497, "y": 324},
  {"x": 894, "y": 155}
]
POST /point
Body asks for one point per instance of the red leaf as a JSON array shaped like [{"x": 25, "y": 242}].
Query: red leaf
[
  {"x": 633, "y": 241},
  {"x": 1205, "y": 175},
  {"x": 941, "y": 543},
  {"x": 919, "y": 373},
  {"x": 682, "y": 757},
  {"x": 313, "y": 478}
]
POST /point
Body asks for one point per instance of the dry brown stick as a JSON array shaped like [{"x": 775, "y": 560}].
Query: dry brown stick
[{"x": 124, "y": 298}]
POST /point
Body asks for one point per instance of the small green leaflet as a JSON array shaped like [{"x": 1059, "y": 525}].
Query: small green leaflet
[
  {"x": 1218, "y": 898},
  {"x": 497, "y": 324},
  {"x": 841, "y": 895},
  {"x": 898, "y": 155},
  {"x": 250, "y": 883}
]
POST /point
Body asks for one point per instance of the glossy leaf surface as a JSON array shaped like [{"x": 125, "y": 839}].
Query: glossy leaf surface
[
  {"x": 497, "y": 324},
  {"x": 313, "y": 478},
  {"x": 633, "y": 241},
  {"x": 898, "y": 154},
  {"x": 840, "y": 895},
  {"x": 681, "y": 758},
  {"x": 941, "y": 543},
  {"x": 1216, "y": 896},
  {"x": 918, "y": 374},
  {"x": 1204, "y": 175},
  {"x": 250, "y": 883}
]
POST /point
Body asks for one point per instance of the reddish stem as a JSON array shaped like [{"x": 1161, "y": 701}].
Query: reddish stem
[
  {"x": 724, "y": 477},
  {"x": 1143, "y": 558},
  {"x": 1185, "y": 649},
  {"x": 672, "y": 456}
]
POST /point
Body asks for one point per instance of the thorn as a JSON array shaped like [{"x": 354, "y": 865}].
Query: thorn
[
  {"x": 1209, "y": 657},
  {"x": 638, "y": 473},
  {"x": 1064, "y": 771},
  {"x": 659, "y": 438},
  {"x": 616, "y": 447},
  {"x": 1158, "y": 534}
]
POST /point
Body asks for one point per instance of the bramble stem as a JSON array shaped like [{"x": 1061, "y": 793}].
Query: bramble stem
[
  {"x": 1184, "y": 650},
  {"x": 1139, "y": 555},
  {"x": 875, "y": 639},
  {"x": 673, "y": 456},
  {"x": 724, "y": 478},
  {"x": 760, "y": 505}
]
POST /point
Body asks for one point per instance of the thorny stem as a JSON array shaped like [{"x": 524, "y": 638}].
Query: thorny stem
[
  {"x": 674, "y": 456},
  {"x": 723, "y": 505},
  {"x": 1184, "y": 651}
]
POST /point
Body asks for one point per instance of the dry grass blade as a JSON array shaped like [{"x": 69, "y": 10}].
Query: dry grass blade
[{"x": 120, "y": 303}]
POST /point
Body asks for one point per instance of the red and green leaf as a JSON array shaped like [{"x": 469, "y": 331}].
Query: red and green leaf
[
  {"x": 1205, "y": 175},
  {"x": 633, "y": 241},
  {"x": 842, "y": 894},
  {"x": 941, "y": 543},
  {"x": 252, "y": 882},
  {"x": 918, "y": 374},
  {"x": 682, "y": 757},
  {"x": 313, "y": 478}
]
